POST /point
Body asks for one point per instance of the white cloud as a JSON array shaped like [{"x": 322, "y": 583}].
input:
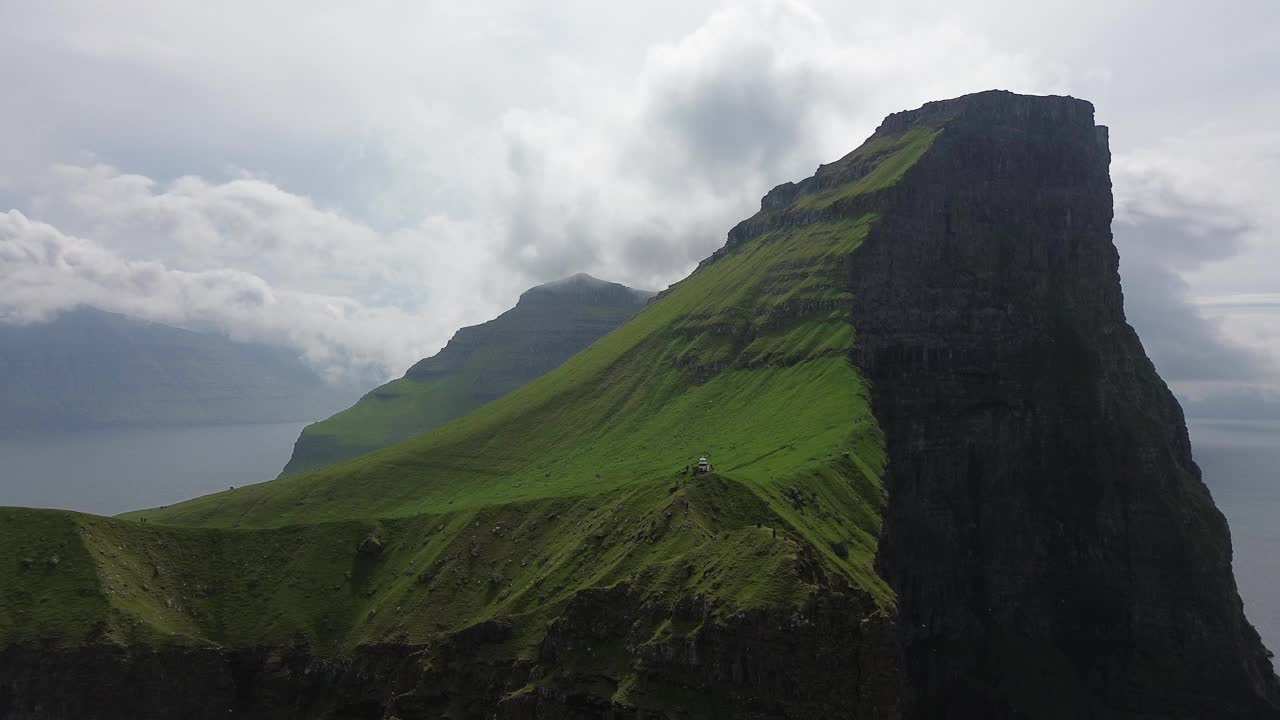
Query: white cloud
[
  {"x": 634, "y": 177},
  {"x": 1213, "y": 229},
  {"x": 645, "y": 178},
  {"x": 412, "y": 166},
  {"x": 44, "y": 270}
]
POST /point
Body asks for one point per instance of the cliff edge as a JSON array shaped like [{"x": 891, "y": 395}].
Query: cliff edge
[
  {"x": 1052, "y": 546},
  {"x": 948, "y": 484}
]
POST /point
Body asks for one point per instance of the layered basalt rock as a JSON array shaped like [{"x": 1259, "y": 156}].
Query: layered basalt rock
[
  {"x": 826, "y": 659},
  {"x": 1053, "y": 548}
]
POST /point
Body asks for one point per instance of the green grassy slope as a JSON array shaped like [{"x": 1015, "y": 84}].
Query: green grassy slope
[
  {"x": 732, "y": 362},
  {"x": 389, "y": 413},
  {"x": 550, "y": 324},
  {"x": 573, "y": 481},
  {"x": 123, "y": 581}
]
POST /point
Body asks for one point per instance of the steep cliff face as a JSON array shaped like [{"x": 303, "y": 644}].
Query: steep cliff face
[
  {"x": 937, "y": 315},
  {"x": 1052, "y": 546},
  {"x": 480, "y": 363}
]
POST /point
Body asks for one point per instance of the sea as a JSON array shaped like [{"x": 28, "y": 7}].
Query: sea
[
  {"x": 109, "y": 472},
  {"x": 1240, "y": 461}
]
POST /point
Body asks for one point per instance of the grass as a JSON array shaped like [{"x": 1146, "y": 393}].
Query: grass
[
  {"x": 131, "y": 582},
  {"x": 639, "y": 405},
  {"x": 390, "y": 413},
  {"x": 577, "y": 480},
  {"x": 889, "y": 158},
  {"x": 480, "y": 363}
]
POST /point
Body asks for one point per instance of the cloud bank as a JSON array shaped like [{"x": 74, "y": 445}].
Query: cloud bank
[
  {"x": 356, "y": 183},
  {"x": 44, "y": 271}
]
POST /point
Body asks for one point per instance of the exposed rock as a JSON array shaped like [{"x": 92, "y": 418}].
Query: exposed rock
[
  {"x": 371, "y": 546},
  {"x": 745, "y": 666},
  {"x": 1053, "y": 548}
]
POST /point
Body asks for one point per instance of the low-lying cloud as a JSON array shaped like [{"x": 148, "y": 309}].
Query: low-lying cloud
[
  {"x": 635, "y": 181},
  {"x": 44, "y": 271},
  {"x": 362, "y": 185}
]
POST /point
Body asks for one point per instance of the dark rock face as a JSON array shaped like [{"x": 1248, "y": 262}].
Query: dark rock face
[
  {"x": 38, "y": 682},
  {"x": 370, "y": 547},
  {"x": 832, "y": 658},
  {"x": 829, "y": 659},
  {"x": 1054, "y": 551}
]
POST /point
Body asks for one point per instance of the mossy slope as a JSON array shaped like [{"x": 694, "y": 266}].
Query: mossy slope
[
  {"x": 577, "y": 480},
  {"x": 548, "y": 325},
  {"x": 743, "y": 361}
]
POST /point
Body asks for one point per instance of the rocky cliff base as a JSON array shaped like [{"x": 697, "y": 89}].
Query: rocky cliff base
[{"x": 599, "y": 659}]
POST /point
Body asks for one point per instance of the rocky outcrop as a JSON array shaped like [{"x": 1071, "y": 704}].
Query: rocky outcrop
[
  {"x": 833, "y": 657},
  {"x": 1054, "y": 551},
  {"x": 830, "y": 658},
  {"x": 106, "y": 682}
]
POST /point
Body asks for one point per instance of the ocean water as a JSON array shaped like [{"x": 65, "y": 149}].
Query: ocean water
[
  {"x": 1241, "y": 465},
  {"x": 111, "y": 471}
]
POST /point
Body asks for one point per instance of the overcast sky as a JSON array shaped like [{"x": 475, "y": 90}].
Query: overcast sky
[{"x": 358, "y": 180}]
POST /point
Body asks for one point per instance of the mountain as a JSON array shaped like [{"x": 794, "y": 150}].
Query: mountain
[
  {"x": 947, "y": 483},
  {"x": 88, "y": 368},
  {"x": 547, "y": 326}
]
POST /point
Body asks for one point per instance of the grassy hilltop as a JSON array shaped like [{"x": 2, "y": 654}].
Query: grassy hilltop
[{"x": 577, "y": 480}]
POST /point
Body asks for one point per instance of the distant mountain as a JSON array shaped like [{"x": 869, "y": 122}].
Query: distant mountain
[
  {"x": 90, "y": 369},
  {"x": 548, "y": 325}
]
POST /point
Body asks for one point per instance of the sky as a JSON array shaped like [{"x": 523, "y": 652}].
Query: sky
[{"x": 358, "y": 180}]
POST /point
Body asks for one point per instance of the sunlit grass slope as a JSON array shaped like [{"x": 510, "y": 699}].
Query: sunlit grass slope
[
  {"x": 577, "y": 480},
  {"x": 121, "y": 581},
  {"x": 389, "y": 413},
  {"x": 550, "y": 323},
  {"x": 746, "y": 360}
]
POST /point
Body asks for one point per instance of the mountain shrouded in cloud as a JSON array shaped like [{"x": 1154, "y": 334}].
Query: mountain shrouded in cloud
[
  {"x": 87, "y": 369},
  {"x": 43, "y": 271},
  {"x": 549, "y": 324}
]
